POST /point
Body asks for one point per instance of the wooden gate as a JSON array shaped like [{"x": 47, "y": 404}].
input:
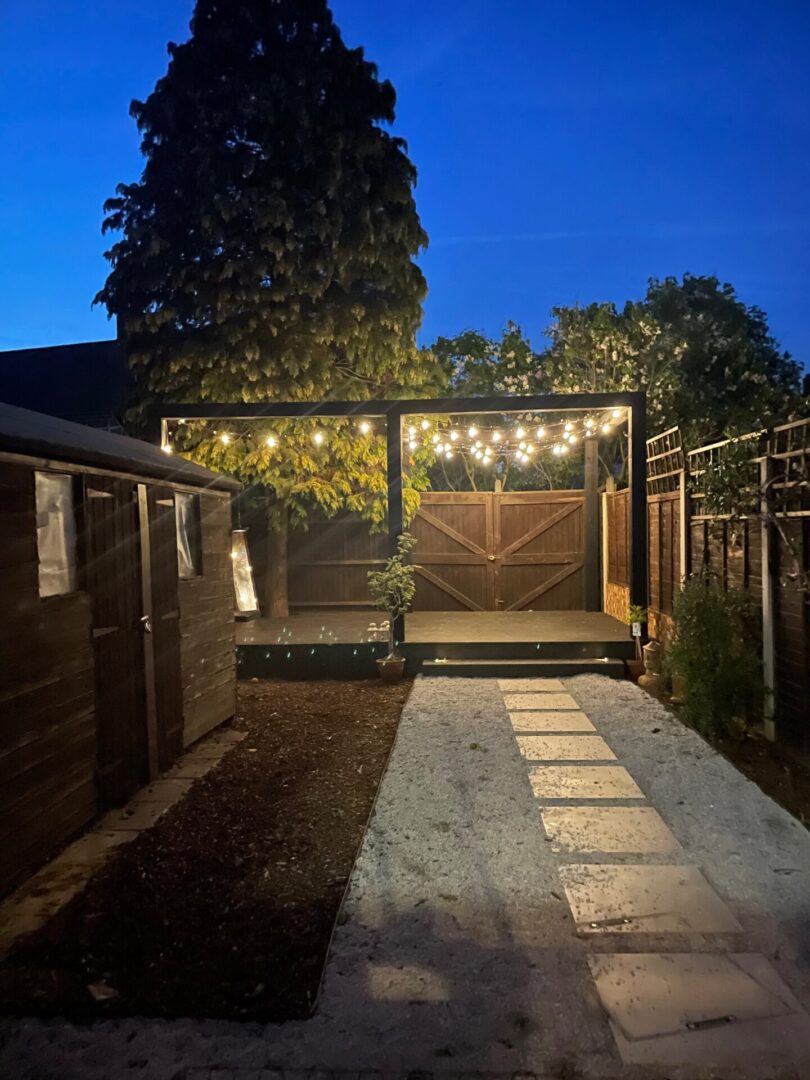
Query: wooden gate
[
  {"x": 490, "y": 551},
  {"x": 113, "y": 583}
]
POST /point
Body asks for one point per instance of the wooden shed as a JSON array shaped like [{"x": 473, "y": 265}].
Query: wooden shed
[{"x": 116, "y": 638}]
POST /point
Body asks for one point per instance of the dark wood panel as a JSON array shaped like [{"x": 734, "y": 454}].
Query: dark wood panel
[{"x": 165, "y": 624}]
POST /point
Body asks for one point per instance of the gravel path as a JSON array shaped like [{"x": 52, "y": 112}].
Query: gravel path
[{"x": 456, "y": 951}]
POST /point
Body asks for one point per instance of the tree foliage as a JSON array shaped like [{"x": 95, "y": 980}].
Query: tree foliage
[{"x": 267, "y": 251}]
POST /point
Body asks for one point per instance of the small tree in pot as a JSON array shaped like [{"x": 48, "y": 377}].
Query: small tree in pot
[{"x": 392, "y": 590}]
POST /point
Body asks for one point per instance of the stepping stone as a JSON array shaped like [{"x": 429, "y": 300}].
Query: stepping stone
[
  {"x": 539, "y": 701},
  {"x": 537, "y": 684},
  {"x": 565, "y": 748},
  {"x": 639, "y": 830},
  {"x": 646, "y": 899},
  {"x": 567, "y": 720},
  {"x": 701, "y": 1009},
  {"x": 583, "y": 782}
]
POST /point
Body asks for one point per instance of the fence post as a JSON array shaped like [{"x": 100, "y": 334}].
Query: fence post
[
  {"x": 768, "y": 655},
  {"x": 683, "y": 537},
  {"x": 605, "y": 547}
]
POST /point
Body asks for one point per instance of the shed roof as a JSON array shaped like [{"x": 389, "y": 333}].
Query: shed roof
[{"x": 38, "y": 435}]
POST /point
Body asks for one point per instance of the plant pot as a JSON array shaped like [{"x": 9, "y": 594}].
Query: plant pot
[
  {"x": 635, "y": 669},
  {"x": 391, "y": 668}
]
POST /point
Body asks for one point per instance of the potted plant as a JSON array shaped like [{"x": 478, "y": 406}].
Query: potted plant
[
  {"x": 392, "y": 590},
  {"x": 636, "y": 617}
]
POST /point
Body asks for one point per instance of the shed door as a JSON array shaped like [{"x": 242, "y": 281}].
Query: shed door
[
  {"x": 163, "y": 607},
  {"x": 113, "y": 582}
]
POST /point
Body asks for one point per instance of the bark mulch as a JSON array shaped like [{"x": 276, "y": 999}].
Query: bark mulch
[{"x": 225, "y": 908}]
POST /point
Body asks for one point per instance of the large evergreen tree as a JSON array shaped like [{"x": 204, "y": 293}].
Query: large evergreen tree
[{"x": 267, "y": 252}]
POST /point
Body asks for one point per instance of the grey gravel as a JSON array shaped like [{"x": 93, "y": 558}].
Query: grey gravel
[{"x": 456, "y": 952}]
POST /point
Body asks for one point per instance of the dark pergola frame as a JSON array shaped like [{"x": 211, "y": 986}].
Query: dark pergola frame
[{"x": 393, "y": 412}]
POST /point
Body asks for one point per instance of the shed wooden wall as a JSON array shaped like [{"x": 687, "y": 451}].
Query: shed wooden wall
[
  {"x": 47, "y": 714},
  {"x": 207, "y": 654},
  {"x": 616, "y": 525}
]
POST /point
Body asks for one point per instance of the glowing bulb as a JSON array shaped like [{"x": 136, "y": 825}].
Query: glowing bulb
[
  {"x": 448, "y": 454},
  {"x": 563, "y": 449},
  {"x": 541, "y": 433},
  {"x": 606, "y": 429},
  {"x": 271, "y": 441},
  {"x": 472, "y": 432},
  {"x": 412, "y": 431},
  {"x": 166, "y": 448},
  {"x": 521, "y": 446},
  {"x": 529, "y": 448},
  {"x": 435, "y": 438},
  {"x": 412, "y": 445},
  {"x": 439, "y": 448},
  {"x": 225, "y": 439},
  {"x": 453, "y": 435},
  {"x": 589, "y": 423},
  {"x": 365, "y": 427},
  {"x": 616, "y": 414},
  {"x": 425, "y": 425},
  {"x": 477, "y": 444},
  {"x": 496, "y": 436},
  {"x": 520, "y": 432},
  {"x": 556, "y": 450},
  {"x": 317, "y": 438},
  {"x": 569, "y": 427},
  {"x": 571, "y": 440}
]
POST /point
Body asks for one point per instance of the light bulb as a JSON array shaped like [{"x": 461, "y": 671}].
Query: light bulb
[
  {"x": 520, "y": 432},
  {"x": 412, "y": 431},
  {"x": 166, "y": 448},
  {"x": 472, "y": 432},
  {"x": 448, "y": 454},
  {"x": 271, "y": 441},
  {"x": 589, "y": 423},
  {"x": 606, "y": 429},
  {"x": 435, "y": 438},
  {"x": 541, "y": 433},
  {"x": 317, "y": 438},
  {"x": 477, "y": 444},
  {"x": 365, "y": 427},
  {"x": 529, "y": 448},
  {"x": 563, "y": 449},
  {"x": 412, "y": 445},
  {"x": 521, "y": 446},
  {"x": 569, "y": 426},
  {"x": 225, "y": 439},
  {"x": 556, "y": 450},
  {"x": 571, "y": 440},
  {"x": 425, "y": 425},
  {"x": 616, "y": 414},
  {"x": 453, "y": 435},
  {"x": 496, "y": 436}
]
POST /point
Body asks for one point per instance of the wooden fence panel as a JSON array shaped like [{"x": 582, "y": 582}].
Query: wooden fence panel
[{"x": 616, "y": 562}]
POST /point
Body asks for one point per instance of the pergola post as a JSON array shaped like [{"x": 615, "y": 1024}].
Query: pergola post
[
  {"x": 591, "y": 515},
  {"x": 637, "y": 420},
  {"x": 393, "y": 434}
]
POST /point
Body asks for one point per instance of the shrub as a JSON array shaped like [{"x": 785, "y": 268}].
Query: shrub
[{"x": 715, "y": 652}]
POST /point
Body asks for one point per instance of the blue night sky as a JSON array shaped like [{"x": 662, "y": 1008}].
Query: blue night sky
[{"x": 565, "y": 152}]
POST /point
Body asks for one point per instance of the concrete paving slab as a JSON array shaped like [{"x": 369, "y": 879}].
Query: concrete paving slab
[
  {"x": 134, "y": 817},
  {"x": 210, "y": 750},
  {"x": 538, "y": 684},
  {"x": 550, "y": 720},
  {"x": 190, "y": 768},
  {"x": 167, "y": 791},
  {"x": 539, "y": 701},
  {"x": 583, "y": 782},
  {"x": 638, "y": 830},
  {"x": 565, "y": 748},
  {"x": 700, "y": 1009},
  {"x": 651, "y": 899}
]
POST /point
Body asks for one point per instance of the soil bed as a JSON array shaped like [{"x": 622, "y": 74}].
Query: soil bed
[{"x": 225, "y": 907}]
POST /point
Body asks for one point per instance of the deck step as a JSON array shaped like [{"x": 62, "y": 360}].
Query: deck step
[{"x": 504, "y": 669}]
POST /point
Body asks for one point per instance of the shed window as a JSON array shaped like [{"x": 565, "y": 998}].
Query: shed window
[
  {"x": 56, "y": 534},
  {"x": 189, "y": 538}
]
